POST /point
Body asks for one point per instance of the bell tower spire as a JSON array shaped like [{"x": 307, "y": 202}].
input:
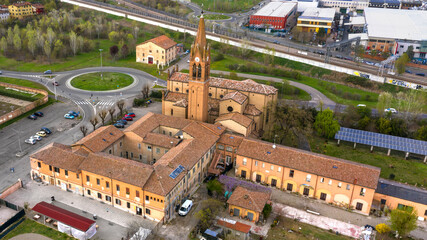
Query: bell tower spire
[{"x": 199, "y": 75}]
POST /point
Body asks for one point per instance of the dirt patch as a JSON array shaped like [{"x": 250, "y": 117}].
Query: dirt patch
[
  {"x": 14, "y": 101},
  {"x": 32, "y": 236},
  {"x": 7, "y": 107}
]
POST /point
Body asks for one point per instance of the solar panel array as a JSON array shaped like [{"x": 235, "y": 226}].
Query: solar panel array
[
  {"x": 176, "y": 172},
  {"x": 382, "y": 140}
]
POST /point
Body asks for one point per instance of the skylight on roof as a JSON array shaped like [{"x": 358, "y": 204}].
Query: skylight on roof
[
  {"x": 231, "y": 137},
  {"x": 268, "y": 152},
  {"x": 219, "y": 128},
  {"x": 111, "y": 134},
  {"x": 334, "y": 166},
  {"x": 104, "y": 140}
]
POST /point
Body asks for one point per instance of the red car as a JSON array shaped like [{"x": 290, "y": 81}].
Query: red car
[
  {"x": 130, "y": 115},
  {"x": 127, "y": 118},
  {"x": 55, "y": 83}
]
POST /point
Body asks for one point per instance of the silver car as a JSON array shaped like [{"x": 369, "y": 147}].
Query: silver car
[
  {"x": 31, "y": 141},
  {"x": 36, "y": 137}
]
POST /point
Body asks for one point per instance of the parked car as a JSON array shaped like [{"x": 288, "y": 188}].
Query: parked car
[
  {"x": 55, "y": 83},
  {"x": 119, "y": 125},
  {"x": 48, "y": 72},
  {"x": 339, "y": 56},
  {"x": 69, "y": 116},
  {"x": 36, "y": 137},
  {"x": 185, "y": 207},
  {"x": 361, "y": 105},
  {"x": 420, "y": 74},
  {"x": 124, "y": 122},
  {"x": 348, "y": 58},
  {"x": 41, "y": 133},
  {"x": 46, "y": 130},
  {"x": 75, "y": 114},
  {"x": 130, "y": 115},
  {"x": 369, "y": 63},
  {"x": 364, "y": 75},
  {"x": 392, "y": 110},
  {"x": 32, "y": 117},
  {"x": 38, "y": 114},
  {"x": 127, "y": 118},
  {"x": 408, "y": 71},
  {"x": 0, "y": 72},
  {"x": 30, "y": 141}
]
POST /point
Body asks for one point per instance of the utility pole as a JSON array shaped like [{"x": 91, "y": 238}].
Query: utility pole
[
  {"x": 19, "y": 141},
  {"x": 100, "y": 55}
]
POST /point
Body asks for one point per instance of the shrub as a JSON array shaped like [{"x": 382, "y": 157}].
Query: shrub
[
  {"x": 218, "y": 57},
  {"x": 138, "y": 102},
  {"x": 156, "y": 94},
  {"x": 392, "y": 176},
  {"x": 266, "y": 211}
]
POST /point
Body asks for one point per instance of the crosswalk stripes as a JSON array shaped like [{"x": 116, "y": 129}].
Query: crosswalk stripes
[{"x": 100, "y": 103}]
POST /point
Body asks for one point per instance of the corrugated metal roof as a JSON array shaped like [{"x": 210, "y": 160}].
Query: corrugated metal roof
[
  {"x": 319, "y": 14},
  {"x": 402, "y": 191},
  {"x": 276, "y": 9}
]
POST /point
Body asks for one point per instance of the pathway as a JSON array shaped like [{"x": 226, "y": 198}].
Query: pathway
[{"x": 32, "y": 236}]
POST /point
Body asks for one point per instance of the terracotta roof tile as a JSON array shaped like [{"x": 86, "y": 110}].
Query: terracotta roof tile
[
  {"x": 235, "y": 225},
  {"x": 181, "y": 103},
  {"x": 244, "y": 86},
  {"x": 101, "y": 138},
  {"x": 160, "y": 140},
  {"x": 236, "y": 96},
  {"x": 60, "y": 156},
  {"x": 117, "y": 168},
  {"x": 230, "y": 139},
  {"x": 175, "y": 96},
  {"x": 252, "y": 110},
  {"x": 248, "y": 199},
  {"x": 309, "y": 162},
  {"x": 237, "y": 117},
  {"x": 162, "y": 41}
]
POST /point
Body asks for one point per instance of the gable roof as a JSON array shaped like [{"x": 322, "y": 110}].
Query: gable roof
[
  {"x": 252, "y": 110},
  {"x": 230, "y": 139},
  {"x": 248, "y": 199},
  {"x": 310, "y": 162},
  {"x": 101, "y": 138},
  {"x": 68, "y": 218},
  {"x": 236, "y": 117},
  {"x": 243, "y": 86},
  {"x": 59, "y": 155},
  {"x": 402, "y": 191},
  {"x": 161, "y": 41},
  {"x": 235, "y": 96}
]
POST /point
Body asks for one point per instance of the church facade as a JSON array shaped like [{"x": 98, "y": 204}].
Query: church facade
[{"x": 241, "y": 106}]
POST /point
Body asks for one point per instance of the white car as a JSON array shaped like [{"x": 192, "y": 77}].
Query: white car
[
  {"x": 392, "y": 110},
  {"x": 361, "y": 105},
  {"x": 36, "y": 137},
  {"x": 185, "y": 207},
  {"x": 31, "y": 141}
]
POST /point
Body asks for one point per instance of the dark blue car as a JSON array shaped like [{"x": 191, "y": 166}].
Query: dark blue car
[
  {"x": 75, "y": 114},
  {"x": 46, "y": 130},
  {"x": 32, "y": 117},
  {"x": 38, "y": 114},
  {"x": 119, "y": 125},
  {"x": 122, "y": 121}
]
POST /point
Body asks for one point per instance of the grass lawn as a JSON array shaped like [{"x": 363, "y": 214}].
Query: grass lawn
[
  {"x": 30, "y": 226},
  {"x": 24, "y": 83},
  {"x": 83, "y": 60},
  {"x": 282, "y": 231},
  {"x": 226, "y": 5},
  {"x": 215, "y": 17},
  {"x": 109, "y": 81},
  {"x": 7, "y": 107},
  {"x": 27, "y": 96},
  {"x": 411, "y": 171}
]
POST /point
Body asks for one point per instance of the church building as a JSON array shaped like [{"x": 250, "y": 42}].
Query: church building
[{"x": 241, "y": 106}]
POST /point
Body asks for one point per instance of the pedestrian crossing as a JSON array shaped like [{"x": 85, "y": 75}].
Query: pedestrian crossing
[{"x": 100, "y": 104}]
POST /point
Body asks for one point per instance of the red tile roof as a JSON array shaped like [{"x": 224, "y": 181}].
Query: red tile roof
[
  {"x": 252, "y": 110},
  {"x": 68, "y": 218},
  {"x": 101, "y": 138},
  {"x": 310, "y": 162},
  {"x": 244, "y": 86},
  {"x": 235, "y": 225},
  {"x": 236, "y": 96},
  {"x": 237, "y": 117},
  {"x": 162, "y": 41},
  {"x": 249, "y": 199}
]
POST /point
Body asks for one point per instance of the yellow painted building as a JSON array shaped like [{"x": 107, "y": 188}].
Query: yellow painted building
[
  {"x": 311, "y": 175},
  {"x": 247, "y": 204},
  {"x": 238, "y": 105},
  {"x": 316, "y": 19},
  {"x": 160, "y": 51},
  {"x": 21, "y": 10}
]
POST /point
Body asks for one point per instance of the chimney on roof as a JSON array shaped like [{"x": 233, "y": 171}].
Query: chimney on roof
[{"x": 245, "y": 197}]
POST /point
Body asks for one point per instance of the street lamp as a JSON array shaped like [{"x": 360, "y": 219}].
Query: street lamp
[{"x": 100, "y": 54}]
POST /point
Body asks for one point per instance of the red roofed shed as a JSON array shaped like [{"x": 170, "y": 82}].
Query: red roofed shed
[
  {"x": 237, "y": 229},
  {"x": 68, "y": 222}
]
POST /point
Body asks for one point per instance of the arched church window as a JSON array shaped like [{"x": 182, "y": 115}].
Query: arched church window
[
  {"x": 194, "y": 70},
  {"x": 177, "y": 89}
]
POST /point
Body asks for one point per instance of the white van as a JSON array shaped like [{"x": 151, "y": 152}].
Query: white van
[{"x": 185, "y": 207}]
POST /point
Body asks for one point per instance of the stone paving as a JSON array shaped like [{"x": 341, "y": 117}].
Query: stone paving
[
  {"x": 6, "y": 213},
  {"x": 32, "y": 236}
]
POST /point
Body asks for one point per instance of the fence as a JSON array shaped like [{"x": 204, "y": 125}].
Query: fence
[
  {"x": 19, "y": 111},
  {"x": 13, "y": 219}
]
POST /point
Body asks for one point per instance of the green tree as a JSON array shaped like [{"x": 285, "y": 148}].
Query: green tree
[
  {"x": 401, "y": 62},
  {"x": 215, "y": 186},
  {"x": 3, "y": 45},
  {"x": 58, "y": 48},
  {"x": 266, "y": 211},
  {"x": 113, "y": 36},
  {"x": 384, "y": 126},
  {"x": 31, "y": 38},
  {"x": 403, "y": 221},
  {"x": 410, "y": 52},
  {"x": 17, "y": 43},
  {"x": 209, "y": 209},
  {"x": 325, "y": 124},
  {"x": 421, "y": 133},
  {"x": 384, "y": 100},
  {"x": 47, "y": 49},
  {"x": 398, "y": 127},
  {"x": 382, "y": 228},
  {"x": 359, "y": 52},
  {"x": 9, "y": 36},
  {"x": 73, "y": 42}
]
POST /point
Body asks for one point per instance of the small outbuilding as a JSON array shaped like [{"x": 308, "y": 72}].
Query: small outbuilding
[
  {"x": 247, "y": 204},
  {"x": 235, "y": 229},
  {"x": 67, "y": 222}
]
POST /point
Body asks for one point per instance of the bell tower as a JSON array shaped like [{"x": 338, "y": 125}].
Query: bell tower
[{"x": 199, "y": 76}]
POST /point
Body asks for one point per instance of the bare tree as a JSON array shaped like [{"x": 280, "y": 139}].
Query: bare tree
[
  {"x": 94, "y": 121},
  {"x": 73, "y": 42},
  {"x": 111, "y": 111},
  {"x": 84, "y": 130},
  {"x": 103, "y": 114},
  {"x": 145, "y": 91},
  {"x": 120, "y": 105}
]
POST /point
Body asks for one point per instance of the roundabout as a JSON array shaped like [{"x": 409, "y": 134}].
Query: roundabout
[{"x": 109, "y": 81}]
